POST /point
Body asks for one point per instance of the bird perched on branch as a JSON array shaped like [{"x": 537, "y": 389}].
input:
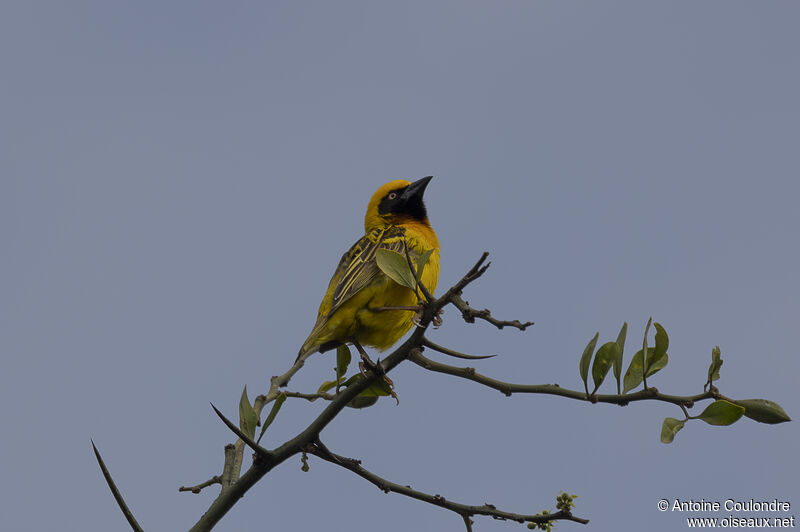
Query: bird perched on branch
[{"x": 363, "y": 305}]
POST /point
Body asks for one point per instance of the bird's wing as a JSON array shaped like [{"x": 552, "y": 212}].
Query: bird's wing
[
  {"x": 357, "y": 269},
  {"x": 358, "y": 265}
]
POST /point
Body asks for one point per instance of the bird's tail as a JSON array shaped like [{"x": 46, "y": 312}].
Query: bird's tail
[
  {"x": 304, "y": 351},
  {"x": 312, "y": 346}
]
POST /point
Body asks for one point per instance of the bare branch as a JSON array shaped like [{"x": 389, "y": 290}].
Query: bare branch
[
  {"x": 453, "y": 295},
  {"x": 476, "y": 271},
  {"x": 199, "y": 487},
  {"x": 311, "y": 397},
  {"x": 469, "y": 314},
  {"x": 466, "y": 511},
  {"x": 508, "y": 388},
  {"x": 115, "y": 492}
]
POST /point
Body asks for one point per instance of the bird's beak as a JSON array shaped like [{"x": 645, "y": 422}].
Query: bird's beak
[{"x": 415, "y": 190}]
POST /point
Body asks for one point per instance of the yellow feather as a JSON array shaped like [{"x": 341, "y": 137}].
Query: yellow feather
[{"x": 358, "y": 286}]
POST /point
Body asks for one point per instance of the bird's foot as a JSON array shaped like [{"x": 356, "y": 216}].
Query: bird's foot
[
  {"x": 436, "y": 321},
  {"x": 367, "y": 364},
  {"x": 377, "y": 369}
]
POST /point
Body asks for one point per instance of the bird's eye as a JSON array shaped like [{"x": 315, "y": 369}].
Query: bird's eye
[{"x": 392, "y": 195}]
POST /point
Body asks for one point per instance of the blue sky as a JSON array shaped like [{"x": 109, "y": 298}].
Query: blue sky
[{"x": 177, "y": 182}]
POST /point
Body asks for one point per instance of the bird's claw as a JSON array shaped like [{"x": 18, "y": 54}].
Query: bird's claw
[
  {"x": 437, "y": 321},
  {"x": 368, "y": 365}
]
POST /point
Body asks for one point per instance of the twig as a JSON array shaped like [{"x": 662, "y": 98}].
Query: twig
[
  {"x": 114, "y": 491},
  {"x": 311, "y": 397},
  {"x": 450, "y": 352},
  {"x": 469, "y": 314},
  {"x": 476, "y": 271},
  {"x": 453, "y": 295},
  {"x": 508, "y": 388},
  {"x": 199, "y": 487},
  {"x": 463, "y": 510}
]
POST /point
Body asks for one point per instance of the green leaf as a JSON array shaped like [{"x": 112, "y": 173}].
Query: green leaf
[
  {"x": 670, "y": 428},
  {"x": 659, "y": 364},
  {"x": 716, "y": 363},
  {"x": 379, "y": 388},
  {"x": 362, "y": 402},
  {"x": 395, "y": 265},
  {"x": 586, "y": 357},
  {"x": 422, "y": 262},
  {"x": 327, "y": 385},
  {"x": 721, "y": 412},
  {"x": 603, "y": 361},
  {"x": 351, "y": 380},
  {"x": 618, "y": 360},
  {"x": 662, "y": 339},
  {"x": 369, "y": 396},
  {"x": 633, "y": 377},
  {"x": 659, "y": 351},
  {"x": 276, "y": 406},
  {"x": 764, "y": 411},
  {"x": 247, "y": 416},
  {"x": 342, "y": 360},
  {"x": 644, "y": 344}
]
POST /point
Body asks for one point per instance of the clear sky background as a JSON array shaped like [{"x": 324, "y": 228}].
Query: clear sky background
[{"x": 178, "y": 181}]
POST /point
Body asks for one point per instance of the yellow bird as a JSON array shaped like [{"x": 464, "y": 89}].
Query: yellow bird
[{"x": 351, "y": 310}]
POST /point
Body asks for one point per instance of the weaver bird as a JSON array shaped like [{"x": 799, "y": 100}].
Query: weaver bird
[{"x": 354, "y": 308}]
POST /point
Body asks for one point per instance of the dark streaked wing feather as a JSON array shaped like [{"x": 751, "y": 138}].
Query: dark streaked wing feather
[
  {"x": 355, "y": 271},
  {"x": 360, "y": 268}
]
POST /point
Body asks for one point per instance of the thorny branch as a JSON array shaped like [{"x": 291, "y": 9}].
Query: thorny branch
[
  {"x": 235, "y": 486},
  {"x": 465, "y": 511},
  {"x": 265, "y": 459},
  {"x": 469, "y": 314}
]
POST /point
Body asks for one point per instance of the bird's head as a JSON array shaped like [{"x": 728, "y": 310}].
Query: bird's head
[{"x": 397, "y": 202}]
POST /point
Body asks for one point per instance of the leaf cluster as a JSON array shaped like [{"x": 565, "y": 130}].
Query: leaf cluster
[{"x": 650, "y": 359}]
